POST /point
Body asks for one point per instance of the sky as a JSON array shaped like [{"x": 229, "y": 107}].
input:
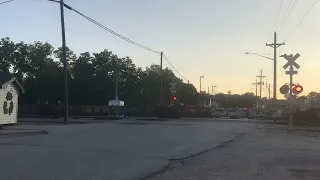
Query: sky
[{"x": 200, "y": 38}]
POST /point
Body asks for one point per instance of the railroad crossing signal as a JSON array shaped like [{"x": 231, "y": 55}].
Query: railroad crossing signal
[
  {"x": 297, "y": 89},
  {"x": 291, "y": 71},
  {"x": 173, "y": 87},
  {"x": 284, "y": 89},
  {"x": 291, "y": 61}
]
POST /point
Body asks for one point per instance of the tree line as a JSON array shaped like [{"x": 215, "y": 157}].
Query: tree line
[{"x": 92, "y": 78}]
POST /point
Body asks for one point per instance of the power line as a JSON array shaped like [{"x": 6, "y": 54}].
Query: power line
[
  {"x": 4, "y": 2},
  {"x": 272, "y": 29},
  {"x": 126, "y": 39},
  {"x": 275, "y": 22},
  {"x": 120, "y": 36},
  {"x": 302, "y": 19},
  {"x": 165, "y": 57},
  {"x": 109, "y": 30},
  {"x": 288, "y": 15}
]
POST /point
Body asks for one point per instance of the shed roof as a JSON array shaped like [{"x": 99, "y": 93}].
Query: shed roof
[{"x": 8, "y": 78}]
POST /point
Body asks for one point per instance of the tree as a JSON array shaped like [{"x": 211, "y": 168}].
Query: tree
[{"x": 92, "y": 78}]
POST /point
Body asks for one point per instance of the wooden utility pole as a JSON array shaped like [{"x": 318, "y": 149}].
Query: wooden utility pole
[
  {"x": 269, "y": 90},
  {"x": 117, "y": 80},
  {"x": 260, "y": 82},
  {"x": 275, "y": 45},
  {"x": 65, "y": 64},
  {"x": 256, "y": 84}
]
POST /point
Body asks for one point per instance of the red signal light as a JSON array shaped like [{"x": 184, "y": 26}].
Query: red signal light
[
  {"x": 174, "y": 98},
  {"x": 297, "y": 89}
]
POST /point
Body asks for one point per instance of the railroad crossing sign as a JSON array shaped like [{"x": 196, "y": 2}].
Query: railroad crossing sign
[
  {"x": 173, "y": 87},
  {"x": 291, "y": 61},
  {"x": 291, "y": 71}
]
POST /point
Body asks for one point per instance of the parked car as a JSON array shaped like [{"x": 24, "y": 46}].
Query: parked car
[
  {"x": 219, "y": 112},
  {"x": 237, "y": 113}
]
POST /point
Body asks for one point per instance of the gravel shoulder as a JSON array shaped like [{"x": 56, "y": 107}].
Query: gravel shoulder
[{"x": 265, "y": 153}]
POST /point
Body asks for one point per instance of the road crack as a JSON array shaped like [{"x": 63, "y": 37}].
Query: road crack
[{"x": 172, "y": 162}]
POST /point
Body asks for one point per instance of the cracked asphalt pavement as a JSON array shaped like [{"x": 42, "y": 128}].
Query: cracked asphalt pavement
[{"x": 175, "y": 149}]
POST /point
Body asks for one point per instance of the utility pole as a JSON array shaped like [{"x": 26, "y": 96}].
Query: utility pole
[
  {"x": 256, "y": 84},
  {"x": 269, "y": 90},
  {"x": 212, "y": 89},
  {"x": 200, "y": 82},
  {"x": 261, "y": 82},
  {"x": 64, "y": 60},
  {"x": 117, "y": 80},
  {"x": 275, "y": 45},
  {"x": 161, "y": 95},
  {"x": 208, "y": 90},
  {"x": 266, "y": 88}
]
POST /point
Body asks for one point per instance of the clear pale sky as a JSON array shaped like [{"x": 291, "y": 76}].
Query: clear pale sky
[{"x": 200, "y": 37}]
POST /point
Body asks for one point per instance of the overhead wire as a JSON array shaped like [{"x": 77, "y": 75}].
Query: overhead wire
[
  {"x": 273, "y": 29},
  {"x": 111, "y": 31},
  {"x": 166, "y": 58},
  {"x": 288, "y": 15},
  {"x": 4, "y": 2},
  {"x": 305, "y": 15},
  {"x": 275, "y": 22},
  {"x": 123, "y": 37}
]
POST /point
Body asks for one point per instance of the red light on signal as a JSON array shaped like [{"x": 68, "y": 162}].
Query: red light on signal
[
  {"x": 297, "y": 89},
  {"x": 174, "y": 98}
]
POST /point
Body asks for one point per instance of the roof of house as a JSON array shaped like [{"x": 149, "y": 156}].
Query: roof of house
[{"x": 5, "y": 78}]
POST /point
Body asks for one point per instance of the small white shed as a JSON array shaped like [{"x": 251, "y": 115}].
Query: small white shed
[{"x": 9, "y": 96}]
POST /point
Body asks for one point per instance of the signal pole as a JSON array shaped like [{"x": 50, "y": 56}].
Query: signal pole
[
  {"x": 260, "y": 83},
  {"x": 275, "y": 45}
]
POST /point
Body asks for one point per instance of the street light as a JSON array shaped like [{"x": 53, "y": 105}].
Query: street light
[
  {"x": 200, "y": 82},
  {"x": 274, "y": 73}
]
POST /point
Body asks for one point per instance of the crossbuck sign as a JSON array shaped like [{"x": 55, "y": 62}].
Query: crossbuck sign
[
  {"x": 291, "y": 63},
  {"x": 173, "y": 87}
]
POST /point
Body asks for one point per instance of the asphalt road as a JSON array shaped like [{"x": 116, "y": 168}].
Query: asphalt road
[
  {"x": 121, "y": 150},
  {"x": 266, "y": 153}
]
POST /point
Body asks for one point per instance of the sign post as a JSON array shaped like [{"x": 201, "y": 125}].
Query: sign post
[{"x": 291, "y": 63}]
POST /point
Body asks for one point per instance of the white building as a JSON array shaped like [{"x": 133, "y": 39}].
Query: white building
[{"x": 9, "y": 95}]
